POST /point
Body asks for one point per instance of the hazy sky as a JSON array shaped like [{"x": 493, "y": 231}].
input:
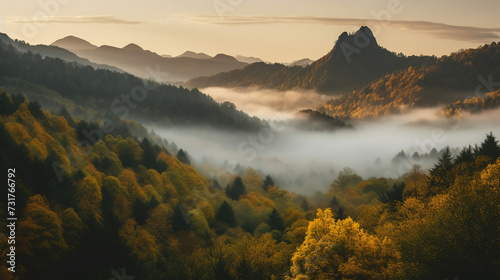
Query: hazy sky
[{"x": 274, "y": 30}]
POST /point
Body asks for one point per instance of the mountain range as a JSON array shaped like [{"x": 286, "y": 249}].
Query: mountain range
[
  {"x": 355, "y": 60},
  {"x": 369, "y": 80},
  {"x": 137, "y": 61},
  {"x": 53, "y": 51}
]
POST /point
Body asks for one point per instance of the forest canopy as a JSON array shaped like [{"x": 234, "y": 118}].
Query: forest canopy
[{"x": 127, "y": 202}]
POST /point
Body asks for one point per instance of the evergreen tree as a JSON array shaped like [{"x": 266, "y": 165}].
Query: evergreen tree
[
  {"x": 65, "y": 114},
  {"x": 36, "y": 110},
  {"x": 433, "y": 153},
  {"x": 334, "y": 202},
  {"x": 183, "y": 157},
  {"x": 225, "y": 214},
  {"x": 275, "y": 221},
  {"x": 489, "y": 147},
  {"x": 393, "y": 196},
  {"x": 236, "y": 190},
  {"x": 268, "y": 181},
  {"x": 466, "y": 155},
  {"x": 149, "y": 156},
  {"x": 441, "y": 177},
  {"x": 6, "y": 105},
  {"x": 340, "y": 213}
]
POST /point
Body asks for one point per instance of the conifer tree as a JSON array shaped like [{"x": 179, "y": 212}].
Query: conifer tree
[
  {"x": 225, "y": 214},
  {"x": 275, "y": 221},
  {"x": 268, "y": 181}
]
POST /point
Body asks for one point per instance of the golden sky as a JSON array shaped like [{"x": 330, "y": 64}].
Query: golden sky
[{"x": 274, "y": 30}]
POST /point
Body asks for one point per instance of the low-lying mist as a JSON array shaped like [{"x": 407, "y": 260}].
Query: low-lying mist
[
  {"x": 307, "y": 161},
  {"x": 266, "y": 103}
]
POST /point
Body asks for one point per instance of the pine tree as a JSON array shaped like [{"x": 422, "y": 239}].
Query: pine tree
[
  {"x": 489, "y": 147},
  {"x": 466, "y": 155},
  {"x": 393, "y": 196},
  {"x": 236, "y": 190},
  {"x": 334, "y": 202},
  {"x": 65, "y": 114},
  {"x": 36, "y": 110},
  {"x": 441, "y": 177},
  {"x": 340, "y": 213},
  {"x": 268, "y": 181},
  {"x": 183, "y": 157},
  {"x": 275, "y": 221},
  {"x": 225, "y": 214},
  {"x": 149, "y": 156}
]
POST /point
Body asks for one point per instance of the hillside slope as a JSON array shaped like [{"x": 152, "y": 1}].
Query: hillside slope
[{"x": 460, "y": 75}]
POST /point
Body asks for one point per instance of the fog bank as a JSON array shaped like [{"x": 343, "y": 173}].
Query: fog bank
[
  {"x": 266, "y": 103},
  {"x": 305, "y": 161}
]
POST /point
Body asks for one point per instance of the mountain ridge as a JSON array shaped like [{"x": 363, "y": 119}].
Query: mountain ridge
[
  {"x": 138, "y": 61},
  {"x": 55, "y": 52},
  {"x": 73, "y": 42},
  {"x": 355, "y": 60},
  {"x": 451, "y": 78}
]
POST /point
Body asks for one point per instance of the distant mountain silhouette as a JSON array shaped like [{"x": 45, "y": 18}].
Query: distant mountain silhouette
[
  {"x": 74, "y": 43},
  {"x": 147, "y": 64},
  {"x": 57, "y": 52},
  {"x": 195, "y": 55},
  {"x": 133, "y": 47},
  {"x": 224, "y": 58},
  {"x": 355, "y": 60},
  {"x": 301, "y": 62},
  {"x": 248, "y": 59}
]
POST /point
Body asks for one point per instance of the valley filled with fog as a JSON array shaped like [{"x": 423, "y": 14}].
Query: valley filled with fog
[{"x": 308, "y": 161}]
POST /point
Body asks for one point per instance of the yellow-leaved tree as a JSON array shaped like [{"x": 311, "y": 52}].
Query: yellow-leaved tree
[{"x": 340, "y": 249}]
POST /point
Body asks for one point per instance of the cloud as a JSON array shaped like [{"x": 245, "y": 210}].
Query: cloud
[
  {"x": 435, "y": 29},
  {"x": 79, "y": 20}
]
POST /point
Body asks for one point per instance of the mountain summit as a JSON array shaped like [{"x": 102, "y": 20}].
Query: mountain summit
[
  {"x": 73, "y": 43},
  {"x": 133, "y": 47},
  {"x": 348, "y": 45},
  {"x": 355, "y": 60}
]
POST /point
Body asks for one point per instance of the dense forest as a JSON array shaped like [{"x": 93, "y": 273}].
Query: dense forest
[
  {"x": 86, "y": 91},
  {"x": 461, "y": 75},
  {"x": 473, "y": 105},
  {"x": 355, "y": 60},
  {"x": 124, "y": 205}
]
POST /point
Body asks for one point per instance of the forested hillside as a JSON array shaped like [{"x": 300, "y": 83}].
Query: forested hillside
[
  {"x": 96, "y": 209},
  {"x": 461, "y": 75},
  {"x": 86, "y": 90},
  {"x": 89, "y": 208},
  {"x": 476, "y": 104}
]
